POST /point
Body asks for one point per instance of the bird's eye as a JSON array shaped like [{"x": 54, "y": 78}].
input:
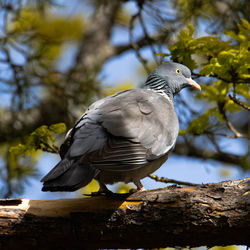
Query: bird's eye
[{"x": 178, "y": 71}]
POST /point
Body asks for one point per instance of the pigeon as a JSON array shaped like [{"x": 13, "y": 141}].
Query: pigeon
[{"x": 123, "y": 137}]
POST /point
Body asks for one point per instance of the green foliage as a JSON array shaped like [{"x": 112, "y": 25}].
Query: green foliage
[
  {"x": 228, "y": 62},
  {"x": 42, "y": 138},
  {"x": 120, "y": 87},
  {"x": 93, "y": 186},
  {"x": 48, "y": 32},
  {"x": 207, "y": 121},
  {"x": 192, "y": 8},
  {"x": 122, "y": 188},
  {"x": 187, "y": 46},
  {"x": 24, "y": 153},
  {"x": 224, "y": 248},
  {"x": 122, "y": 17},
  {"x": 21, "y": 158}
]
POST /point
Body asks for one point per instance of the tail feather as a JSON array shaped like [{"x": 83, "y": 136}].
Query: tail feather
[
  {"x": 75, "y": 177},
  {"x": 58, "y": 170}
]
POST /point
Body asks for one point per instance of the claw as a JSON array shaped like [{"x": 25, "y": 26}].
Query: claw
[
  {"x": 99, "y": 193},
  {"x": 103, "y": 191}
]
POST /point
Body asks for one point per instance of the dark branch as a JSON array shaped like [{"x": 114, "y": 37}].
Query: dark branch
[
  {"x": 237, "y": 101},
  {"x": 192, "y": 150},
  {"x": 237, "y": 134},
  {"x": 167, "y": 217},
  {"x": 134, "y": 45}
]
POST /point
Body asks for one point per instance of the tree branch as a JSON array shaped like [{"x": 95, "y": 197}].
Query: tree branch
[
  {"x": 192, "y": 150},
  {"x": 237, "y": 101},
  {"x": 217, "y": 214},
  {"x": 140, "y": 43},
  {"x": 167, "y": 180},
  {"x": 237, "y": 134},
  {"x": 134, "y": 45}
]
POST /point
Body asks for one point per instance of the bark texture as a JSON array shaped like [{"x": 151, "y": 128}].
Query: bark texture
[{"x": 210, "y": 214}]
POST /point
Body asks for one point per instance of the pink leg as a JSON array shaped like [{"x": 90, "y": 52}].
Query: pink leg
[{"x": 139, "y": 186}]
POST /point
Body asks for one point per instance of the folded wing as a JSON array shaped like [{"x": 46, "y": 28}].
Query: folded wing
[{"x": 118, "y": 133}]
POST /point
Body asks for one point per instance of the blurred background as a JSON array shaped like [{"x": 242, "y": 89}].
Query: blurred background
[{"x": 57, "y": 57}]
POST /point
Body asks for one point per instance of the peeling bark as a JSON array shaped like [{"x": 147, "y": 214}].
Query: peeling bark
[{"x": 210, "y": 214}]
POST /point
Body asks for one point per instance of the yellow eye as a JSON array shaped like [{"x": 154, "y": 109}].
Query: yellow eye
[{"x": 178, "y": 71}]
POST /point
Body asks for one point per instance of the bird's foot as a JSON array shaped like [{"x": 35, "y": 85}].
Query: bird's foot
[
  {"x": 134, "y": 190},
  {"x": 103, "y": 191},
  {"x": 142, "y": 189},
  {"x": 108, "y": 194},
  {"x": 100, "y": 193}
]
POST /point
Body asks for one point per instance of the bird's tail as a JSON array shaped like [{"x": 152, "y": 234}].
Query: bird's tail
[{"x": 68, "y": 175}]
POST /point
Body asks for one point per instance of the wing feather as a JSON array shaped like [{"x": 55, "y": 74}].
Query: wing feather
[{"x": 124, "y": 131}]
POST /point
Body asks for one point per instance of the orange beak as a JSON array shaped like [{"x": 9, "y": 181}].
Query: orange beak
[{"x": 194, "y": 84}]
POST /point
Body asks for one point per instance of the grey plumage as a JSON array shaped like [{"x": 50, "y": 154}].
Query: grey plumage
[{"x": 123, "y": 137}]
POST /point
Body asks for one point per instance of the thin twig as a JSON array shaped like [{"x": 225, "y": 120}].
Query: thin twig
[
  {"x": 229, "y": 124},
  {"x": 233, "y": 129},
  {"x": 221, "y": 134},
  {"x": 48, "y": 148},
  {"x": 134, "y": 45},
  {"x": 237, "y": 81},
  {"x": 147, "y": 37},
  {"x": 237, "y": 101},
  {"x": 166, "y": 180}
]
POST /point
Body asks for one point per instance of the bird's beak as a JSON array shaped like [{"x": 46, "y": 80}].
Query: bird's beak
[{"x": 192, "y": 83}]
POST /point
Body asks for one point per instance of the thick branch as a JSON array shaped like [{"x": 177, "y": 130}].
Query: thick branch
[
  {"x": 96, "y": 41},
  {"x": 211, "y": 214}
]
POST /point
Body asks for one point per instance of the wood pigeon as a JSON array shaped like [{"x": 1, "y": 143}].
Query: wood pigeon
[{"x": 123, "y": 137}]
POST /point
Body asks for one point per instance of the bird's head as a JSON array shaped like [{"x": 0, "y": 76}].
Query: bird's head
[{"x": 170, "y": 78}]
